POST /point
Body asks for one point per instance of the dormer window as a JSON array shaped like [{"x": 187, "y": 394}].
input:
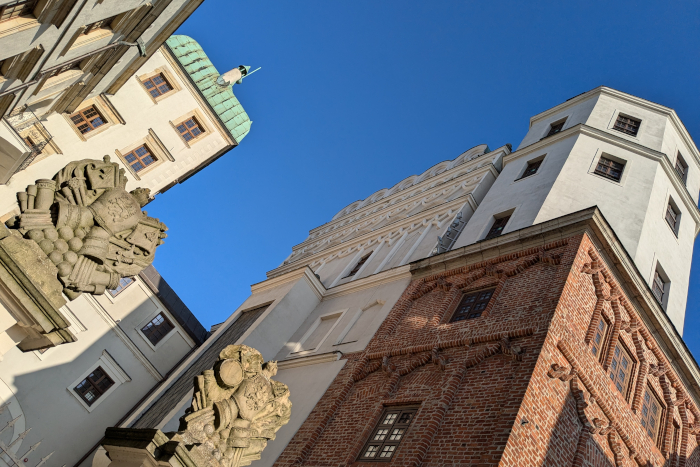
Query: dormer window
[
  {"x": 627, "y": 125},
  {"x": 556, "y": 127},
  {"x": 681, "y": 168}
]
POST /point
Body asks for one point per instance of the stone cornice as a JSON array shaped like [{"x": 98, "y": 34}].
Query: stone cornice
[
  {"x": 652, "y": 106},
  {"x": 592, "y": 223},
  {"x": 398, "y": 193},
  {"x": 660, "y": 157},
  {"x": 328, "y": 357},
  {"x": 385, "y": 230},
  {"x": 294, "y": 275}
]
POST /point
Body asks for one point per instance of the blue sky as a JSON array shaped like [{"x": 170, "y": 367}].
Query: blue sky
[{"x": 355, "y": 96}]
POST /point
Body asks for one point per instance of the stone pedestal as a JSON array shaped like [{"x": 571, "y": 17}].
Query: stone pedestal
[{"x": 131, "y": 447}]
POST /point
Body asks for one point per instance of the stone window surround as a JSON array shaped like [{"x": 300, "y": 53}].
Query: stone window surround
[
  {"x": 613, "y": 119},
  {"x": 151, "y": 317},
  {"x": 542, "y": 158},
  {"x": 169, "y": 77},
  {"x": 679, "y": 215},
  {"x": 508, "y": 212},
  {"x": 16, "y": 25},
  {"x": 625, "y": 171},
  {"x": 203, "y": 124},
  {"x": 298, "y": 349},
  {"x": 104, "y": 108},
  {"x": 156, "y": 148},
  {"x": 112, "y": 368}
]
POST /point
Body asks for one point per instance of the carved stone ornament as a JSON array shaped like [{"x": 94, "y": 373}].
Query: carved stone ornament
[
  {"x": 236, "y": 409},
  {"x": 89, "y": 226}
]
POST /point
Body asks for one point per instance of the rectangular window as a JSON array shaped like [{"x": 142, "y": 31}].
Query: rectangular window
[
  {"x": 621, "y": 369},
  {"x": 658, "y": 285},
  {"x": 651, "y": 414},
  {"x": 101, "y": 24},
  {"x": 532, "y": 168},
  {"x": 17, "y": 9},
  {"x": 609, "y": 168},
  {"x": 124, "y": 282},
  {"x": 672, "y": 217},
  {"x": 94, "y": 386},
  {"x": 157, "y": 328},
  {"x": 189, "y": 129},
  {"x": 497, "y": 227},
  {"x": 681, "y": 168},
  {"x": 359, "y": 264},
  {"x": 627, "y": 125},
  {"x": 140, "y": 158},
  {"x": 157, "y": 85},
  {"x": 599, "y": 338},
  {"x": 556, "y": 128},
  {"x": 88, "y": 119},
  {"x": 472, "y": 305},
  {"x": 387, "y": 435}
]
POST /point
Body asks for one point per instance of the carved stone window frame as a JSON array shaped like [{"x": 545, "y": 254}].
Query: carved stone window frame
[
  {"x": 112, "y": 369},
  {"x": 105, "y": 110},
  {"x": 154, "y": 145},
  {"x": 199, "y": 118},
  {"x": 169, "y": 77}
]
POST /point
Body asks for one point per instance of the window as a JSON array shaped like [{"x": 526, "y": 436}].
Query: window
[
  {"x": 672, "y": 217},
  {"x": 621, "y": 369},
  {"x": 140, "y": 158},
  {"x": 532, "y": 168},
  {"x": 627, "y": 125},
  {"x": 651, "y": 414},
  {"x": 16, "y": 10},
  {"x": 124, "y": 282},
  {"x": 599, "y": 338},
  {"x": 497, "y": 227},
  {"x": 472, "y": 305},
  {"x": 658, "y": 287},
  {"x": 609, "y": 168},
  {"x": 91, "y": 388},
  {"x": 157, "y": 328},
  {"x": 88, "y": 119},
  {"x": 157, "y": 85},
  {"x": 359, "y": 264},
  {"x": 387, "y": 435},
  {"x": 556, "y": 127},
  {"x": 101, "y": 24},
  {"x": 189, "y": 129},
  {"x": 681, "y": 168}
]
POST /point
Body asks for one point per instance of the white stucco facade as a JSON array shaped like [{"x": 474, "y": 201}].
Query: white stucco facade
[{"x": 635, "y": 205}]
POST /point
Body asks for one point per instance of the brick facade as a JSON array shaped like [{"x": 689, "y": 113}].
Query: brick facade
[{"x": 518, "y": 386}]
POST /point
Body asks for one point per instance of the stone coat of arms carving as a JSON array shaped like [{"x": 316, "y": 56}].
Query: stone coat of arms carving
[
  {"x": 236, "y": 409},
  {"x": 89, "y": 226}
]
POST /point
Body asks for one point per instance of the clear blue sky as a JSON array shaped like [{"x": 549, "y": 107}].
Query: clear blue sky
[{"x": 355, "y": 96}]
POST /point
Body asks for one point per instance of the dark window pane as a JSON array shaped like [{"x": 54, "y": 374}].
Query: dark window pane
[
  {"x": 158, "y": 328},
  {"x": 384, "y": 440},
  {"x": 472, "y": 305},
  {"x": 627, "y": 125},
  {"x": 497, "y": 227},
  {"x": 556, "y": 128},
  {"x": 94, "y": 386},
  {"x": 609, "y": 169}
]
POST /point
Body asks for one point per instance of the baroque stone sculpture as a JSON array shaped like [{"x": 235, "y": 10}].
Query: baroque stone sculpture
[
  {"x": 236, "y": 409},
  {"x": 89, "y": 226}
]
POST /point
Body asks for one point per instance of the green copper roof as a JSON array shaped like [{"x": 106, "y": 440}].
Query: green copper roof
[{"x": 193, "y": 59}]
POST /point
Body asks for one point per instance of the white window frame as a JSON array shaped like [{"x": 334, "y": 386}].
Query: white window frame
[
  {"x": 679, "y": 215},
  {"x": 175, "y": 330},
  {"x": 113, "y": 370},
  {"x": 667, "y": 283},
  {"x": 298, "y": 348}
]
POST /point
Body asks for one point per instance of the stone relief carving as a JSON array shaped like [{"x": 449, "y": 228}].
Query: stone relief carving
[
  {"x": 89, "y": 226},
  {"x": 236, "y": 409}
]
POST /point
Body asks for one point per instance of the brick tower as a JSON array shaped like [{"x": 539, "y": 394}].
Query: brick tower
[{"x": 548, "y": 334}]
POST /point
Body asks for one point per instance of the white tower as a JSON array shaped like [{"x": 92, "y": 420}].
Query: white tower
[{"x": 632, "y": 158}]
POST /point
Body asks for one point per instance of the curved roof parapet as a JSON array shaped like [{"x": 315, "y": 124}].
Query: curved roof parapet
[{"x": 204, "y": 74}]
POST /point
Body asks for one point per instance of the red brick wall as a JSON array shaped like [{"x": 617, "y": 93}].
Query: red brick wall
[{"x": 487, "y": 390}]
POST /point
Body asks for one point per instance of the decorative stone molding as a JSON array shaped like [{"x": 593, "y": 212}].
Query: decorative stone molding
[{"x": 236, "y": 409}]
